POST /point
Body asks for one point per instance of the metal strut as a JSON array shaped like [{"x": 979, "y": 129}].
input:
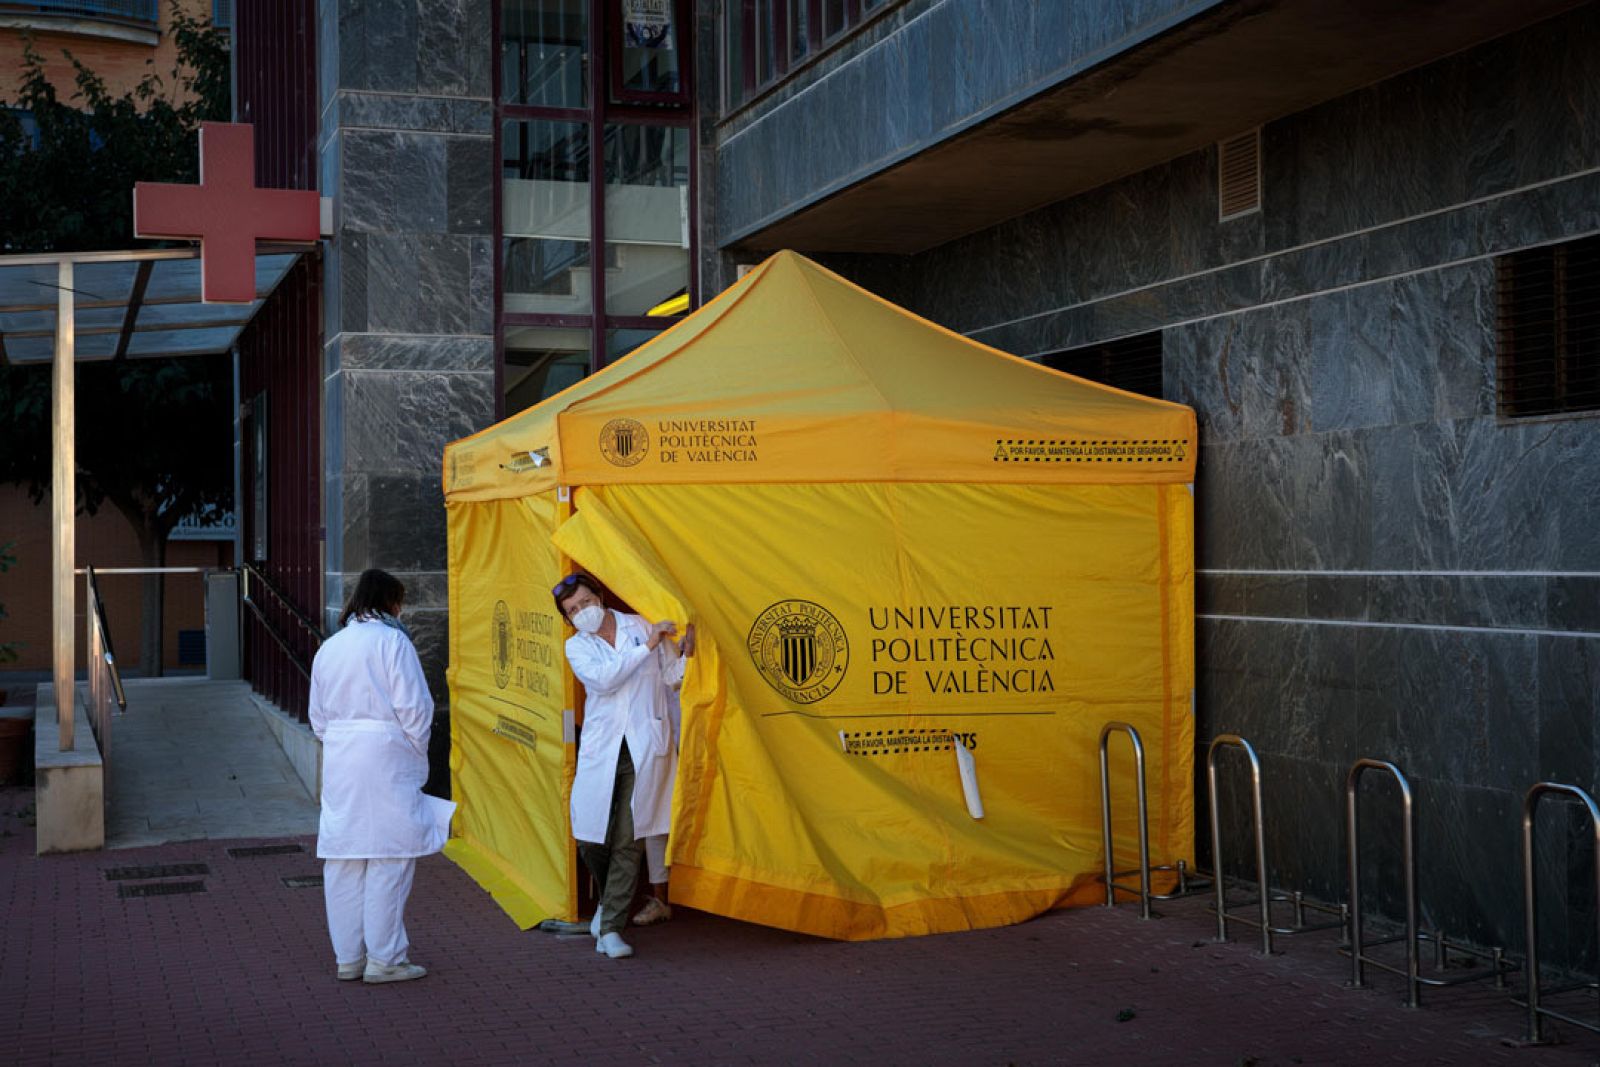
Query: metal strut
[
  {"x": 1265, "y": 897},
  {"x": 1262, "y": 895},
  {"x": 1530, "y": 806},
  {"x": 1111, "y": 875},
  {"x": 1412, "y": 937}
]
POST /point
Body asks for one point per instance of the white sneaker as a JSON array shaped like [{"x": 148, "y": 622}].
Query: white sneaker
[
  {"x": 594, "y": 923},
  {"x": 349, "y": 972},
  {"x": 614, "y": 947},
  {"x": 392, "y": 972}
]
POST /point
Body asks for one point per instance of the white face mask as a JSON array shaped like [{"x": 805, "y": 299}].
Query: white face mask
[{"x": 588, "y": 619}]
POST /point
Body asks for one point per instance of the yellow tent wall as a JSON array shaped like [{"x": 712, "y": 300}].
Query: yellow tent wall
[
  {"x": 511, "y": 761},
  {"x": 924, "y": 544}
]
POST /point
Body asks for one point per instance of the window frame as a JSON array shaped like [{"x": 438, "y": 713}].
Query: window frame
[
  {"x": 601, "y": 111},
  {"x": 681, "y": 14}
]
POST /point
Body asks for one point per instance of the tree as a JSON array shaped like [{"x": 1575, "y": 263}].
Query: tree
[
  {"x": 68, "y": 187},
  {"x": 152, "y": 434}
]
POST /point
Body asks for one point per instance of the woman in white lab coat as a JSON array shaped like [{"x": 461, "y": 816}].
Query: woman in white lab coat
[
  {"x": 371, "y": 709},
  {"x": 622, "y": 791}
]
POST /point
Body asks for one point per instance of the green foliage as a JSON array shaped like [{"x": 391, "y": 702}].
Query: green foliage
[
  {"x": 152, "y": 435},
  {"x": 8, "y": 649},
  {"x": 73, "y": 190}
]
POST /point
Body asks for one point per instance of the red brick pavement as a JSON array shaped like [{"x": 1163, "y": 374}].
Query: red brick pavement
[{"x": 242, "y": 974}]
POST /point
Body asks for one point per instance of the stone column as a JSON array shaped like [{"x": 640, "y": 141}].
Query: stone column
[{"x": 406, "y": 152}]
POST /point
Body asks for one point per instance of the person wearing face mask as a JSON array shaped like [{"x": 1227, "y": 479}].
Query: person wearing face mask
[
  {"x": 622, "y": 790},
  {"x": 371, "y": 709}
]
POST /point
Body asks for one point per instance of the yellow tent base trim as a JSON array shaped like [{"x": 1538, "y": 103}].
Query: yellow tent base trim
[
  {"x": 846, "y": 920},
  {"x": 483, "y": 869}
]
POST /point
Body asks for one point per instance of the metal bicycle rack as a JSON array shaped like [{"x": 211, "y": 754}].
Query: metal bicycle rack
[
  {"x": 1111, "y": 875},
  {"x": 1529, "y": 807},
  {"x": 1265, "y": 898},
  {"x": 1180, "y": 868},
  {"x": 1412, "y": 937}
]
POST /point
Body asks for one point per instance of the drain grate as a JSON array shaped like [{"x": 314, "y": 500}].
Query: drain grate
[
  {"x": 303, "y": 881},
  {"x": 159, "y": 889},
  {"x": 164, "y": 870},
  {"x": 264, "y": 850}
]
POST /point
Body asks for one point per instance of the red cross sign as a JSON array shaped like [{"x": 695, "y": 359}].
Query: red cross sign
[{"x": 226, "y": 212}]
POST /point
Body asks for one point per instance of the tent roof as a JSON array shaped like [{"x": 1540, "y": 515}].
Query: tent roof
[{"x": 794, "y": 374}]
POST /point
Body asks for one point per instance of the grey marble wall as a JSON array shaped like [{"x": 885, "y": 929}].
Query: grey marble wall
[
  {"x": 407, "y": 155},
  {"x": 877, "y": 100},
  {"x": 1387, "y": 568}
]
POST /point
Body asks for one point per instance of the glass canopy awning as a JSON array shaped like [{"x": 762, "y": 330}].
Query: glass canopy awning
[{"x": 127, "y": 304}]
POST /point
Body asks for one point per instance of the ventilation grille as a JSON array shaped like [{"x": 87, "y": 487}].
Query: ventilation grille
[
  {"x": 264, "y": 850},
  {"x": 1239, "y": 175},
  {"x": 159, "y": 889},
  {"x": 1548, "y": 330},
  {"x": 1130, "y": 363},
  {"x": 164, "y": 870}
]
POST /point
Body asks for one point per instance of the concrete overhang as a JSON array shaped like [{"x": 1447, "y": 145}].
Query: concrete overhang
[{"x": 1218, "y": 74}]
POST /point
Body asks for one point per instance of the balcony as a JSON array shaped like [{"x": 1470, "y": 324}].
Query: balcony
[{"x": 136, "y": 21}]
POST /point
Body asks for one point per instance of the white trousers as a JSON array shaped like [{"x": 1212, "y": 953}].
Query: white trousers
[
  {"x": 655, "y": 854},
  {"x": 366, "y": 908}
]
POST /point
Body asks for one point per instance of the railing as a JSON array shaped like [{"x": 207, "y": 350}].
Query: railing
[
  {"x": 105, "y": 681},
  {"x": 252, "y": 578},
  {"x": 1530, "y": 806},
  {"x": 138, "y": 12}
]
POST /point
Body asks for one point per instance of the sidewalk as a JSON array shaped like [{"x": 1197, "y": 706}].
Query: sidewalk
[
  {"x": 193, "y": 759},
  {"x": 241, "y": 973}
]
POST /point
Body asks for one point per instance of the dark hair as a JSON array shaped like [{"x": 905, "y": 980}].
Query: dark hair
[
  {"x": 571, "y": 584},
  {"x": 376, "y": 592}
]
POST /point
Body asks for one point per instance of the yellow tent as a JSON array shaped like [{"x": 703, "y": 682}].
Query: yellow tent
[{"x": 895, "y": 543}]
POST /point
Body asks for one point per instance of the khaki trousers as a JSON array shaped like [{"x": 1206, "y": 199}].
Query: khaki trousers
[{"x": 615, "y": 864}]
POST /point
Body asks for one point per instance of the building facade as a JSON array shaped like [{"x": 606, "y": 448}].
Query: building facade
[
  {"x": 1359, "y": 241},
  {"x": 1363, "y": 249}
]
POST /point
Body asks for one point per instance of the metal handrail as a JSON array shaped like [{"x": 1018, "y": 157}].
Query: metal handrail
[
  {"x": 109, "y": 656},
  {"x": 1144, "y": 819},
  {"x": 102, "y": 666},
  {"x": 249, "y": 572},
  {"x": 1530, "y": 805}
]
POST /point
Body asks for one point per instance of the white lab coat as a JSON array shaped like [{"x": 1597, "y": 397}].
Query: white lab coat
[
  {"x": 626, "y": 698},
  {"x": 371, "y": 709}
]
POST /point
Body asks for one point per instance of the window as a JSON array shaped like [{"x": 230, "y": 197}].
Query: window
[
  {"x": 544, "y": 53},
  {"x": 1132, "y": 363},
  {"x": 647, "y": 216},
  {"x": 545, "y": 216},
  {"x": 765, "y": 40},
  {"x": 595, "y": 128},
  {"x": 1549, "y": 330},
  {"x": 648, "y": 49},
  {"x": 136, "y": 12},
  {"x": 26, "y": 131},
  {"x": 541, "y": 361}
]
